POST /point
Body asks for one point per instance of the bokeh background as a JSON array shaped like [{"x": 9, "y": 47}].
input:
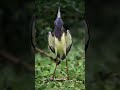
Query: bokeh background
[
  {"x": 16, "y": 53},
  {"x": 103, "y": 54}
]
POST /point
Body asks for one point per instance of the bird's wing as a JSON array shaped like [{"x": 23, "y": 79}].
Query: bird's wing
[
  {"x": 68, "y": 41},
  {"x": 51, "y": 42}
]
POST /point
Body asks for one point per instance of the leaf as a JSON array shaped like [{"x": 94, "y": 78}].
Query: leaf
[{"x": 45, "y": 73}]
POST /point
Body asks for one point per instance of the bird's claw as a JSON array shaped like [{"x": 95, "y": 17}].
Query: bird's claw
[
  {"x": 52, "y": 78},
  {"x": 67, "y": 78}
]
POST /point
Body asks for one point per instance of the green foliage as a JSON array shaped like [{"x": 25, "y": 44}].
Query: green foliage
[{"x": 44, "y": 68}]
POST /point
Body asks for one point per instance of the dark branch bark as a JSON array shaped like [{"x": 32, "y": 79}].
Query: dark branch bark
[
  {"x": 47, "y": 55},
  {"x": 16, "y": 60}
]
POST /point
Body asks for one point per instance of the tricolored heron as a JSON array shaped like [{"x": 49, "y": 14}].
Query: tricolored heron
[{"x": 60, "y": 41}]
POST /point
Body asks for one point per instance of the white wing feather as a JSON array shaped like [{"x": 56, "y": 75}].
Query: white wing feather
[
  {"x": 68, "y": 41},
  {"x": 51, "y": 42}
]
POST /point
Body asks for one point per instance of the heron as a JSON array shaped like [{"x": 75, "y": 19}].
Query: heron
[{"x": 60, "y": 41}]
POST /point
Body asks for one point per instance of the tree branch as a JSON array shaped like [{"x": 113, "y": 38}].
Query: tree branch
[
  {"x": 46, "y": 54},
  {"x": 16, "y": 60}
]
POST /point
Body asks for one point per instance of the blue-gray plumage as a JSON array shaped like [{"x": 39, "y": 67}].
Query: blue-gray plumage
[
  {"x": 60, "y": 40},
  {"x": 58, "y": 25}
]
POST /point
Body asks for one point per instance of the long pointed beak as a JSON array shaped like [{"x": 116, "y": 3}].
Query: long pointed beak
[{"x": 59, "y": 14}]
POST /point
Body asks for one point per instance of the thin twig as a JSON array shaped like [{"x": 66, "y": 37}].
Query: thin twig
[
  {"x": 59, "y": 80},
  {"x": 62, "y": 80},
  {"x": 46, "y": 54},
  {"x": 16, "y": 60}
]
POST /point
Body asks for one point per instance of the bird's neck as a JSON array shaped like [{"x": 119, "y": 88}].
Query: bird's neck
[{"x": 58, "y": 32}]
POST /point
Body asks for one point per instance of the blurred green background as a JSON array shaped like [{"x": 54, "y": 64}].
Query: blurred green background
[{"x": 73, "y": 16}]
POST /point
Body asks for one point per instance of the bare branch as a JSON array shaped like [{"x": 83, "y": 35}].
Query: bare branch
[
  {"x": 46, "y": 54},
  {"x": 16, "y": 60}
]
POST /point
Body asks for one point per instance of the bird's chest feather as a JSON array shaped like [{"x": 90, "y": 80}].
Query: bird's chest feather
[{"x": 60, "y": 44}]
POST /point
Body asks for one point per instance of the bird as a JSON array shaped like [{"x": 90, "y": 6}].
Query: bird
[{"x": 60, "y": 41}]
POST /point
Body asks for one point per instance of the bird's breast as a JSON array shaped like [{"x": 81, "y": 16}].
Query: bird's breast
[{"x": 60, "y": 44}]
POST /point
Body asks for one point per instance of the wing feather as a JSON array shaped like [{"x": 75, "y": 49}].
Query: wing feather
[
  {"x": 51, "y": 42},
  {"x": 68, "y": 42}
]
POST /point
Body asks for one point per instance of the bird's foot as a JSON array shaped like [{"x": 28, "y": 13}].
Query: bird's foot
[
  {"x": 67, "y": 78},
  {"x": 52, "y": 78}
]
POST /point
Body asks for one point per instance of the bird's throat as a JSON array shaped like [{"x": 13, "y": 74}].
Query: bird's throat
[{"x": 58, "y": 33}]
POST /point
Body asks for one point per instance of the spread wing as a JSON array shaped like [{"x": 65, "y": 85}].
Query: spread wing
[
  {"x": 68, "y": 41},
  {"x": 51, "y": 42}
]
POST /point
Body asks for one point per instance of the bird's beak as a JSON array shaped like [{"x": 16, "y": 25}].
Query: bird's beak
[{"x": 59, "y": 14}]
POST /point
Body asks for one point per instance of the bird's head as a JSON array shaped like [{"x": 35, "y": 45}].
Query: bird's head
[{"x": 58, "y": 24}]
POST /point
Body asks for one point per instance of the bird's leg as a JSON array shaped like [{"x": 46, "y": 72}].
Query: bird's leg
[
  {"x": 54, "y": 72},
  {"x": 67, "y": 70}
]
